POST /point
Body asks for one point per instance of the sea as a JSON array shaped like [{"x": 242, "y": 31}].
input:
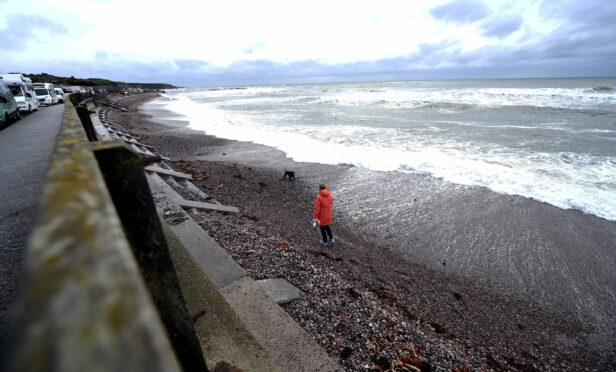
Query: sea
[{"x": 551, "y": 140}]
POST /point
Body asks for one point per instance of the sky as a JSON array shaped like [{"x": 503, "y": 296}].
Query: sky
[{"x": 232, "y": 42}]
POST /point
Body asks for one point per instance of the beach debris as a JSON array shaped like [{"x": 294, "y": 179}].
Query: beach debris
[
  {"x": 437, "y": 327},
  {"x": 461, "y": 369},
  {"x": 492, "y": 362},
  {"x": 262, "y": 184},
  {"x": 251, "y": 217},
  {"x": 283, "y": 244},
  {"x": 149, "y": 159},
  {"x": 382, "y": 363},
  {"x": 353, "y": 292},
  {"x": 346, "y": 352},
  {"x": 457, "y": 296}
]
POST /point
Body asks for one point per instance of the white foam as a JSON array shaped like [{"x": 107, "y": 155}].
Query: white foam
[
  {"x": 566, "y": 180},
  {"x": 490, "y": 97}
]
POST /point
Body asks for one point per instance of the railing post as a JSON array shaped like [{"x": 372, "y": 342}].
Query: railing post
[{"x": 86, "y": 121}]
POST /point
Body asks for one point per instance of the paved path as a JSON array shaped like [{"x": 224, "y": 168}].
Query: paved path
[{"x": 25, "y": 149}]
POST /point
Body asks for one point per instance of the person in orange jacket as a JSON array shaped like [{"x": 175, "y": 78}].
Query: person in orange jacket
[{"x": 323, "y": 213}]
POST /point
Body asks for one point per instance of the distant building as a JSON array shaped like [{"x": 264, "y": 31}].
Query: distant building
[{"x": 73, "y": 89}]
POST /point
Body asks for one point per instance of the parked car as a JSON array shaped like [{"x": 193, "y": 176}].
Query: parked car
[
  {"x": 45, "y": 93},
  {"x": 25, "y": 98},
  {"x": 60, "y": 94},
  {"x": 8, "y": 107}
]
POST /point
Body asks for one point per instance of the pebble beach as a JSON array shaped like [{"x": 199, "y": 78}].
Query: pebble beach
[{"x": 368, "y": 305}]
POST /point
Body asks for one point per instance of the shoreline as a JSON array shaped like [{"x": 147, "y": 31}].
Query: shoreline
[{"x": 451, "y": 320}]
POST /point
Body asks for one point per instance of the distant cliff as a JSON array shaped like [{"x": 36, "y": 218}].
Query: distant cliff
[{"x": 91, "y": 82}]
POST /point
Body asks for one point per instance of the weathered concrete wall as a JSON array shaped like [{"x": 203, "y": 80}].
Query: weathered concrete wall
[{"x": 126, "y": 182}]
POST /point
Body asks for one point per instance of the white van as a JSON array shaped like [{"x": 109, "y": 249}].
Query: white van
[
  {"x": 25, "y": 98},
  {"x": 60, "y": 94},
  {"x": 45, "y": 93}
]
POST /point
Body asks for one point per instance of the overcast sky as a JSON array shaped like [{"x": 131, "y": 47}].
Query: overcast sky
[{"x": 231, "y": 42}]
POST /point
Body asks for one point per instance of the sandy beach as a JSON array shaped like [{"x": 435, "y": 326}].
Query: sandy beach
[{"x": 461, "y": 278}]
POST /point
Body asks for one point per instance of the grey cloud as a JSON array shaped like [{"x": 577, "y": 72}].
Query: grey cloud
[
  {"x": 190, "y": 64},
  {"x": 461, "y": 11},
  {"x": 592, "y": 13},
  {"x": 589, "y": 47},
  {"x": 20, "y": 28},
  {"x": 582, "y": 19},
  {"x": 502, "y": 27},
  {"x": 531, "y": 61},
  {"x": 586, "y": 32},
  {"x": 434, "y": 54}
]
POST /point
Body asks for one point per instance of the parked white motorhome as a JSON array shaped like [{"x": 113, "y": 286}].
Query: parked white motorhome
[
  {"x": 22, "y": 91},
  {"x": 45, "y": 93},
  {"x": 8, "y": 107},
  {"x": 30, "y": 87}
]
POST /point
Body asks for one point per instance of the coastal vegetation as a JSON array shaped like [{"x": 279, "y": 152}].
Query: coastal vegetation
[{"x": 92, "y": 82}]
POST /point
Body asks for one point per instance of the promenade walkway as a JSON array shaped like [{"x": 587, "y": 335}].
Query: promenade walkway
[{"x": 25, "y": 149}]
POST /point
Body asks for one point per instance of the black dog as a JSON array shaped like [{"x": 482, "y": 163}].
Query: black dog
[{"x": 290, "y": 174}]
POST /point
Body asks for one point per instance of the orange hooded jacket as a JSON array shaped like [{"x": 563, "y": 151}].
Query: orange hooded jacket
[{"x": 323, "y": 207}]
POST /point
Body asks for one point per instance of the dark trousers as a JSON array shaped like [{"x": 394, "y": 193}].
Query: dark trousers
[{"x": 324, "y": 230}]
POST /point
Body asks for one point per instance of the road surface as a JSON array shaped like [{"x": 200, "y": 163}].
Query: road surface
[{"x": 25, "y": 150}]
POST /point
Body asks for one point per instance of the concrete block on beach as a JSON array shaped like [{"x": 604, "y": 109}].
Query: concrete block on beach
[
  {"x": 157, "y": 184},
  {"x": 168, "y": 172},
  {"x": 220, "y": 268},
  {"x": 287, "y": 342},
  {"x": 210, "y": 206},
  {"x": 280, "y": 290}
]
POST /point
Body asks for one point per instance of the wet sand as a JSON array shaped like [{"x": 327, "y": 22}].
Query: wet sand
[{"x": 469, "y": 277}]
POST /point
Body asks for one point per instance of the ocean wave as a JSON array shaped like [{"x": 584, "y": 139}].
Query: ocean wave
[
  {"x": 601, "y": 89},
  {"x": 578, "y": 98}
]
